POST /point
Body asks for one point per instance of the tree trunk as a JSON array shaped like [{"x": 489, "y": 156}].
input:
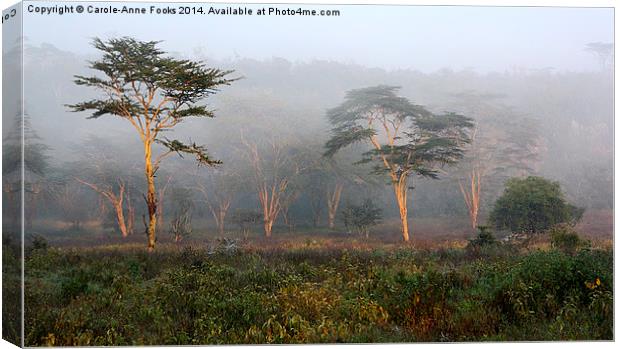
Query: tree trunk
[
  {"x": 120, "y": 217},
  {"x": 268, "y": 227},
  {"x": 472, "y": 196},
  {"x": 400, "y": 189},
  {"x": 333, "y": 201},
  {"x": 151, "y": 196},
  {"x": 220, "y": 224},
  {"x": 131, "y": 213},
  {"x": 221, "y": 216}
]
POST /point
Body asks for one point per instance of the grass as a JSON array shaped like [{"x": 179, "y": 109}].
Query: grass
[{"x": 315, "y": 290}]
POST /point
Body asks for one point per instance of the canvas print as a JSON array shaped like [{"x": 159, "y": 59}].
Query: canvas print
[{"x": 212, "y": 173}]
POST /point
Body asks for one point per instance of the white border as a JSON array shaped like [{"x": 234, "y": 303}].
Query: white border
[{"x": 508, "y": 3}]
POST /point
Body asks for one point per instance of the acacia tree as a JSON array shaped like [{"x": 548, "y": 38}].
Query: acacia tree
[
  {"x": 218, "y": 190},
  {"x": 405, "y": 139},
  {"x": 272, "y": 172},
  {"x": 154, "y": 93}
]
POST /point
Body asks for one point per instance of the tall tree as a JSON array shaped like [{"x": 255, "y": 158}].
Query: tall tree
[
  {"x": 154, "y": 93},
  {"x": 405, "y": 139},
  {"x": 273, "y": 169}
]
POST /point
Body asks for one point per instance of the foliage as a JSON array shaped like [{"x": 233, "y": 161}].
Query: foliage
[
  {"x": 428, "y": 139},
  {"x": 362, "y": 217},
  {"x": 485, "y": 237},
  {"x": 38, "y": 243},
  {"x": 565, "y": 238},
  {"x": 136, "y": 75},
  {"x": 532, "y": 205},
  {"x": 193, "y": 296}
]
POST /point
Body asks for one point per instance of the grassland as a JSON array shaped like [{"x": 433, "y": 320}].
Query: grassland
[{"x": 316, "y": 290}]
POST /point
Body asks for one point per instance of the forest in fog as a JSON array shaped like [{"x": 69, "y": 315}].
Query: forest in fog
[
  {"x": 184, "y": 198},
  {"x": 527, "y": 122}
]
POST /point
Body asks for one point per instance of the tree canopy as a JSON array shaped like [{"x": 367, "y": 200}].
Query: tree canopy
[
  {"x": 533, "y": 205},
  {"x": 152, "y": 91},
  {"x": 406, "y": 139}
]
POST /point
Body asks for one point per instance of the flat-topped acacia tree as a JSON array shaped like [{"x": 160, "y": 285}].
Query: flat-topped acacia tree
[
  {"x": 405, "y": 139},
  {"x": 154, "y": 93}
]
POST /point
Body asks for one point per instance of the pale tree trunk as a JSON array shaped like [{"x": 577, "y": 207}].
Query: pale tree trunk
[
  {"x": 115, "y": 200},
  {"x": 151, "y": 197},
  {"x": 286, "y": 218},
  {"x": 219, "y": 214},
  {"x": 399, "y": 180},
  {"x": 471, "y": 196},
  {"x": 268, "y": 225},
  {"x": 218, "y": 206},
  {"x": 270, "y": 191},
  {"x": 270, "y": 197},
  {"x": 270, "y": 203},
  {"x": 333, "y": 200},
  {"x": 121, "y": 220},
  {"x": 400, "y": 191}
]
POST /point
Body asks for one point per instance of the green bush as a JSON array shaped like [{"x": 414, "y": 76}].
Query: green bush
[
  {"x": 361, "y": 217},
  {"x": 189, "y": 296},
  {"x": 485, "y": 237},
  {"x": 565, "y": 238},
  {"x": 532, "y": 205}
]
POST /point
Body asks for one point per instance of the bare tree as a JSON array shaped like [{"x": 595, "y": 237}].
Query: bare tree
[
  {"x": 116, "y": 199},
  {"x": 217, "y": 192},
  {"x": 271, "y": 173}
]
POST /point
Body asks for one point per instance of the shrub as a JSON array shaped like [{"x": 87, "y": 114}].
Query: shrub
[
  {"x": 361, "y": 217},
  {"x": 39, "y": 243},
  {"x": 181, "y": 225},
  {"x": 565, "y": 238},
  {"x": 485, "y": 237},
  {"x": 532, "y": 205}
]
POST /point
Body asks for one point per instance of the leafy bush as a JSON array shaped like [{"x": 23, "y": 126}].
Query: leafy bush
[
  {"x": 189, "y": 296},
  {"x": 565, "y": 238},
  {"x": 38, "y": 243},
  {"x": 485, "y": 237},
  {"x": 361, "y": 217},
  {"x": 532, "y": 205}
]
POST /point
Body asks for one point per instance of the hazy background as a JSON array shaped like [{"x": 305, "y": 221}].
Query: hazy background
[{"x": 524, "y": 70}]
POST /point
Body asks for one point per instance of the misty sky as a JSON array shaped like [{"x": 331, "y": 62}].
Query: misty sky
[{"x": 425, "y": 38}]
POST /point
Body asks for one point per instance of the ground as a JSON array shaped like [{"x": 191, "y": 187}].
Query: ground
[{"x": 316, "y": 287}]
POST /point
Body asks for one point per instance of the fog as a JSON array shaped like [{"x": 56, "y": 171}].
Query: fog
[
  {"x": 523, "y": 74},
  {"x": 422, "y": 38}
]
